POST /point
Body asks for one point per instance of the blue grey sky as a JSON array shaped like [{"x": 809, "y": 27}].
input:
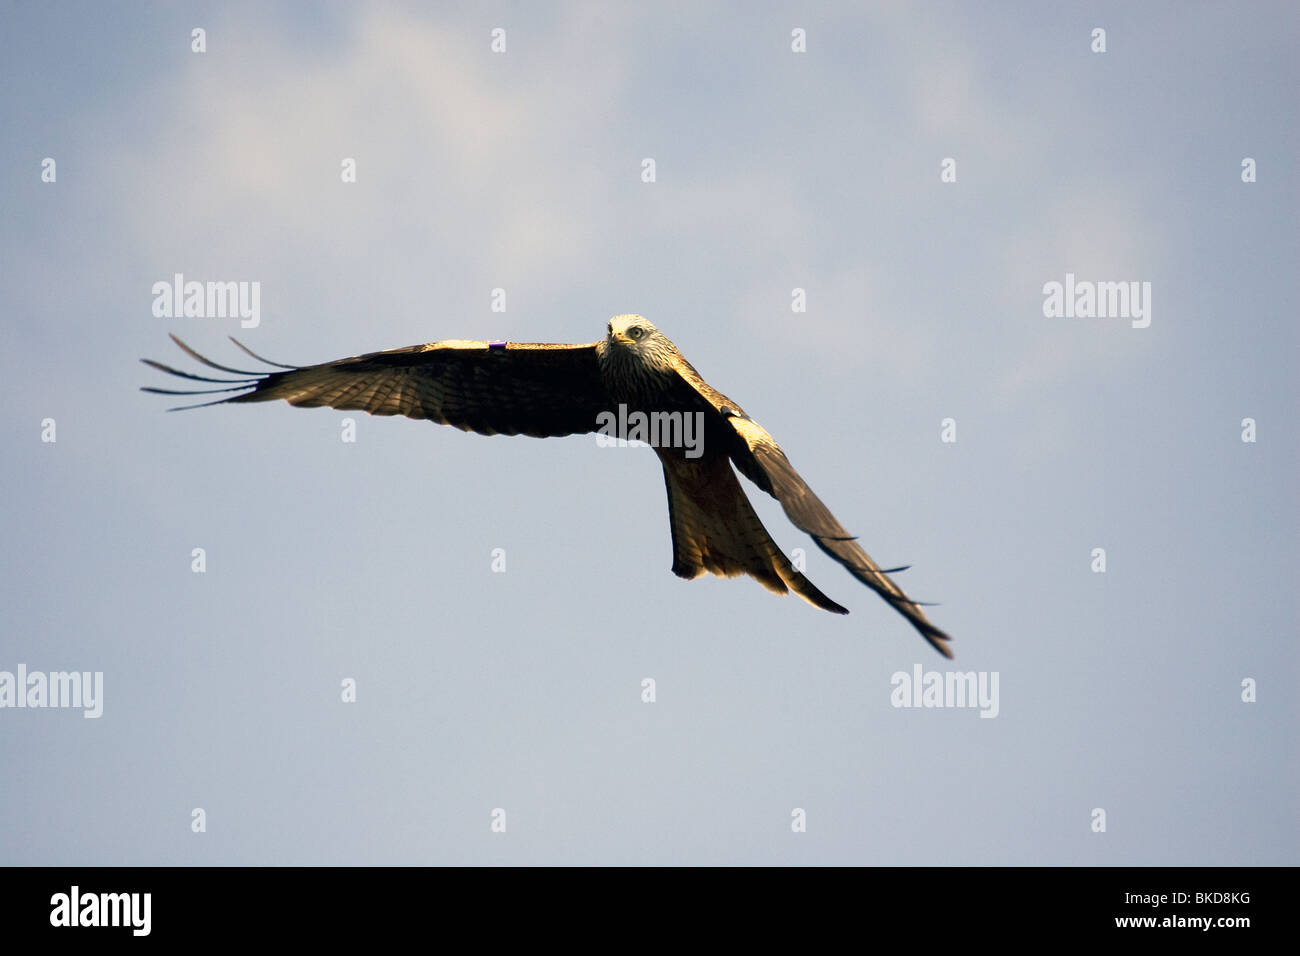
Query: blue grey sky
[{"x": 775, "y": 170}]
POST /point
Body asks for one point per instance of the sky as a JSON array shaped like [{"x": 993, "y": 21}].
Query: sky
[{"x": 429, "y": 647}]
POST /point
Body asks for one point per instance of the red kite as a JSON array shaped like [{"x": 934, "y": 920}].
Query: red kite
[{"x": 633, "y": 383}]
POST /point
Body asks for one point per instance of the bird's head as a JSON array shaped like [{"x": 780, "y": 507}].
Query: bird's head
[
  {"x": 631, "y": 331},
  {"x": 632, "y": 342}
]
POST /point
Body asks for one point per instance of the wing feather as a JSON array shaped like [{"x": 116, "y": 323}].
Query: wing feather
[
  {"x": 760, "y": 459},
  {"x": 509, "y": 388}
]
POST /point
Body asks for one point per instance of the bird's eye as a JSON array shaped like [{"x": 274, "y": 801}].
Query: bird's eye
[
  {"x": 636, "y": 331},
  {"x": 609, "y": 329}
]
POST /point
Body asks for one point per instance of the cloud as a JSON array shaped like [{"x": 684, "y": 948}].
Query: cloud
[{"x": 450, "y": 144}]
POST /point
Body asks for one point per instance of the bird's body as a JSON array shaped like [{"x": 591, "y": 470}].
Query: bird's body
[{"x": 547, "y": 390}]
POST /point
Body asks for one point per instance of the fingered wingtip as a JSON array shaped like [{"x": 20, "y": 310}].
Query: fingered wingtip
[
  {"x": 939, "y": 640},
  {"x": 249, "y": 352}
]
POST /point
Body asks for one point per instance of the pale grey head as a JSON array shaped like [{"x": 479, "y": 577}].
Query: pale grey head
[{"x": 633, "y": 354}]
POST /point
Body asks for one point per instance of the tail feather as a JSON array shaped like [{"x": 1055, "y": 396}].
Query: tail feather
[{"x": 715, "y": 529}]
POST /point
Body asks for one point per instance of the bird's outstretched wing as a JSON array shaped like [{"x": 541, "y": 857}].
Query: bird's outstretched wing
[
  {"x": 760, "y": 459},
  {"x": 506, "y": 388}
]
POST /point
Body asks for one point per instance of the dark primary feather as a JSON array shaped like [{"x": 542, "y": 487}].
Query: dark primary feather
[{"x": 807, "y": 512}]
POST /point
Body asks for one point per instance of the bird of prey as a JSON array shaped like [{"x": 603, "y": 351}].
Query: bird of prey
[{"x": 545, "y": 390}]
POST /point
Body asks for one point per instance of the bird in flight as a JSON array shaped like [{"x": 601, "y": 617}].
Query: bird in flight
[{"x": 633, "y": 383}]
